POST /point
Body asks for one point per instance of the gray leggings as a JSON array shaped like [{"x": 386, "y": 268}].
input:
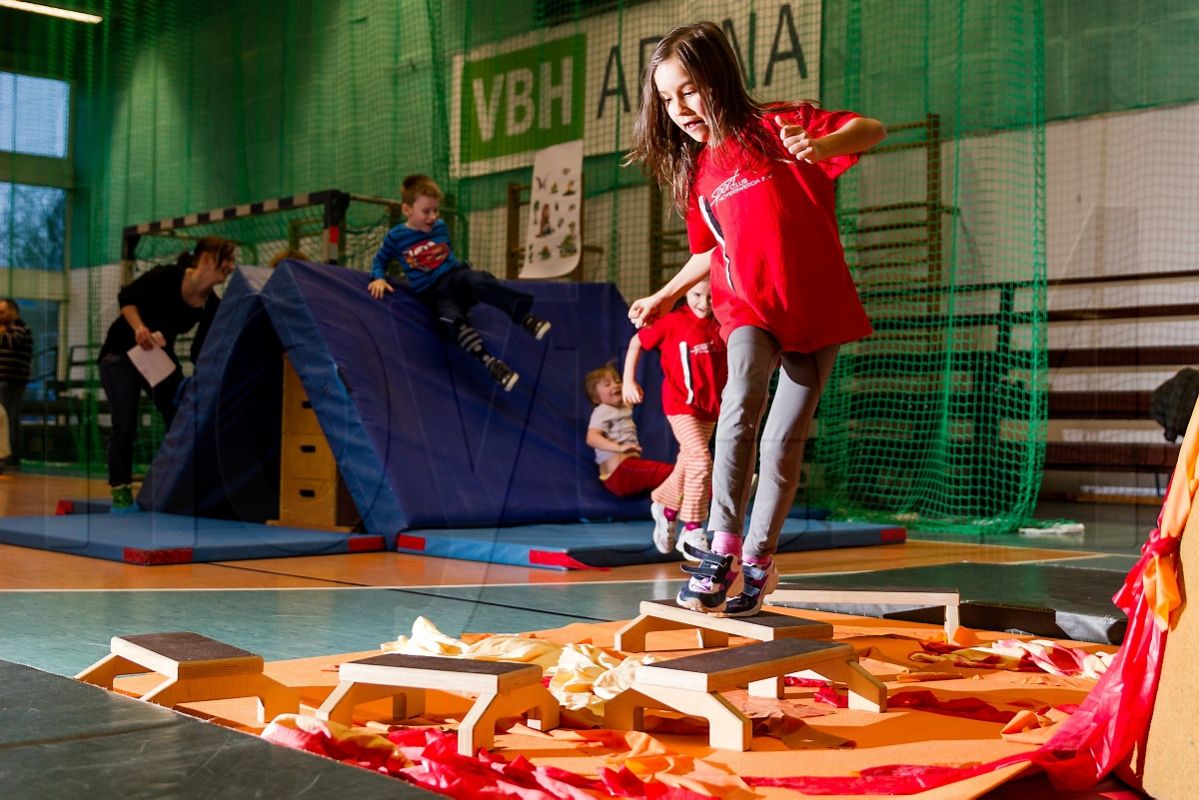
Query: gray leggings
[{"x": 753, "y": 357}]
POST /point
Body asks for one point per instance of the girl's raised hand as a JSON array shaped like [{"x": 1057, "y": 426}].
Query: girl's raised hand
[
  {"x": 631, "y": 393},
  {"x": 797, "y": 141},
  {"x": 642, "y": 312}
]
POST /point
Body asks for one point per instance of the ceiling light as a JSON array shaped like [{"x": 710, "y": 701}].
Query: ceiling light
[{"x": 50, "y": 11}]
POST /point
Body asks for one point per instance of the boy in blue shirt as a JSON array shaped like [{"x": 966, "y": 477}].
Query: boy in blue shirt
[{"x": 445, "y": 285}]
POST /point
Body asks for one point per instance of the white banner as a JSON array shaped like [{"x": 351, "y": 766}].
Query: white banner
[{"x": 541, "y": 89}]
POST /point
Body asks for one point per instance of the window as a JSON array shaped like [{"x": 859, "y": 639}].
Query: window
[
  {"x": 33, "y": 222},
  {"x": 34, "y": 115}
]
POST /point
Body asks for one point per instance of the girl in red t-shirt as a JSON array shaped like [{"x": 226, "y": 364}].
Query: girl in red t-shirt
[
  {"x": 756, "y": 185},
  {"x": 694, "y": 369}
]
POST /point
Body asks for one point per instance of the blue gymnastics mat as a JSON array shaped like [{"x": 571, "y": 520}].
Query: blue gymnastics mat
[
  {"x": 598, "y": 545},
  {"x": 152, "y": 538}
]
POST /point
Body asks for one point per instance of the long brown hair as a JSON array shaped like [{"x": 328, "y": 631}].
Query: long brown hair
[
  {"x": 222, "y": 249},
  {"x": 667, "y": 154}
]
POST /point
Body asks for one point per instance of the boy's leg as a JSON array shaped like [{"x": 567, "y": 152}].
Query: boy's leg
[
  {"x": 449, "y": 299},
  {"x": 752, "y": 357},
  {"x": 801, "y": 381},
  {"x": 483, "y": 287}
]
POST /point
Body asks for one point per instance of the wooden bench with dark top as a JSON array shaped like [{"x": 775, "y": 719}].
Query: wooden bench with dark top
[
  {"x": 714, "y": 630},
  {"x": 809, "y": 593},
  {"x": 196, "y": 667},
  {"x": 501, "y": 689},
  {"x": 692, "y": 685}
]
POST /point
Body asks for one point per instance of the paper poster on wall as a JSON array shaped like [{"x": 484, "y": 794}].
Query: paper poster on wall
[{"x": 553, "y": 245}]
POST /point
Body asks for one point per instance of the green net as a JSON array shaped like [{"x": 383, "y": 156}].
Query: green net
[{"x": 168, "y": 109}]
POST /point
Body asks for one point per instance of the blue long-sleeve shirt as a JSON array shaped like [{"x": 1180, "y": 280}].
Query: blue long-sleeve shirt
[{"x": 425, "y": 257}]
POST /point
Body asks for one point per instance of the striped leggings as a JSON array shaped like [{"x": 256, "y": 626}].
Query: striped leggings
[{"x": 689, "y": 487}]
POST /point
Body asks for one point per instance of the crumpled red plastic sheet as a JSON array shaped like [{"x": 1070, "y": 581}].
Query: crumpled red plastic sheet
[
  {"x": 968, "y": 707},
  {"x": 429, "y": 758}
]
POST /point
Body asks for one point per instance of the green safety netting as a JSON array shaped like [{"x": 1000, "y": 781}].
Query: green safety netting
[{"x": 177, "y": 108}]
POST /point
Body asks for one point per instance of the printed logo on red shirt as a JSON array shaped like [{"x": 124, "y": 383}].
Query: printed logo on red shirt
[
  {"x": 427, "y": 256},
  {"x": 734, "y": 185}
]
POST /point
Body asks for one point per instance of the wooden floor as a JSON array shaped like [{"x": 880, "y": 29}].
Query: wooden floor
[
  {"x": 29, "y": 569},
  {"x": 58, "y": 611}
]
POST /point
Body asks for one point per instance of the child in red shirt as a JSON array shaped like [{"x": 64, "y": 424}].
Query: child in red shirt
[
  {"x": 694, "y": 369},
  {"x": 756, "y": 185}
]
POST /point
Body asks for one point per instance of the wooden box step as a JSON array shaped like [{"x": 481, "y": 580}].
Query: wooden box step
[
  {"x": 196, "y": 668},
  {"x": 692, "y": 685},
  {"x": 501, "y": 689},
  {"x": 805, "y": 592}
]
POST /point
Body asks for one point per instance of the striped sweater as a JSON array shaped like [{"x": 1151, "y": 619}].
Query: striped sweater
[{"x": 16, "y": 352}]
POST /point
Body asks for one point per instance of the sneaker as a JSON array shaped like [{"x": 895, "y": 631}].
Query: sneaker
[
  {"x": 694, "y": 537},
  {"x": 664, "y": 529},
  {"x": 122, "y": 499},
  {"x": 757, "y": 583},
  {"x": 536, "y": 326},
  {"x": 503, "y": 374},
  {"x": 712, "y": 580}
]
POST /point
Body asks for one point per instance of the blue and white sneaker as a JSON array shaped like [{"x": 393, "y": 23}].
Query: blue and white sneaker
[
  {"x": 712, "y": 580},
  {"x": 757, "y": 583}
]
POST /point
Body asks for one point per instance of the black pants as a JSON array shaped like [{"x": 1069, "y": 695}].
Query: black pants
[
  {"x": 123, "y": 385},
  {"x": 11, "y": 393},
  {"x": 452, "y": 296}
]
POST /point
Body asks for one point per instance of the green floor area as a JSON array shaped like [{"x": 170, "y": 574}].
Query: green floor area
[{"x": 63, "y": 632}]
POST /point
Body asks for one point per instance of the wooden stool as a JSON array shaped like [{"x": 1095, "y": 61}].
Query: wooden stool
[
  {"x": 713, "y": 630},
  {"x": 816, "y": 593},
  {"x": 692, "y": 684},
  {"x": 196, "y": 668},
  {"x": 502, "y": 689}
]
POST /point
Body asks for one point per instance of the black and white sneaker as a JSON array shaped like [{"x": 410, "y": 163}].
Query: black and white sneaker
[
  {"x": 502, "y": 374},
  {"x": 536, "y": 326}
]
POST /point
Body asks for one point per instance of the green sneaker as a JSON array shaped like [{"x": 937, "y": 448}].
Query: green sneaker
[{"x": 122, "y": 498}]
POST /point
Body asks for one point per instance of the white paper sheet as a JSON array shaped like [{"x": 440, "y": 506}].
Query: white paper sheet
[{"x": 154, "y": 364}]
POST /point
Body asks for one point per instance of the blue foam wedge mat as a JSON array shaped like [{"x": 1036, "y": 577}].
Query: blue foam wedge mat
[
  {"x": 153, "y": 538},
  {"x": 611, "y": 544}
]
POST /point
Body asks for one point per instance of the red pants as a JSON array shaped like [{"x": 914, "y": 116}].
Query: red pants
[{"x": 635, "y": 476}]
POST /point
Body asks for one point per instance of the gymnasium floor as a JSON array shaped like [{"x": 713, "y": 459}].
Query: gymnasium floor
[{"x": 57, "y": 611}]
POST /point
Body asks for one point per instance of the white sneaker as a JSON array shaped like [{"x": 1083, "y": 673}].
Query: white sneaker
[
  {"x": 694, "y": 537},
  {"x": 664, "y": 529}
]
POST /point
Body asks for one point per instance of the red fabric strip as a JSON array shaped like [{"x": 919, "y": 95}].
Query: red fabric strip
[
  {"x": 146, "y": 558},
  {"x": 547, "y": 558},
  {"x": 360, "y": 544}
]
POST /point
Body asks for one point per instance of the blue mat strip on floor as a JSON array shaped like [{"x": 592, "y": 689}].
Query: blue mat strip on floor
[
  {"x": 151, "y": 538},
  {"x": 611, "y": 544}
]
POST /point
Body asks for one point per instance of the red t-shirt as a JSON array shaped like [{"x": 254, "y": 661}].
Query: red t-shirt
[
  {"x": 778, "y": 263},
  {"x": 693, "y": 361}
]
